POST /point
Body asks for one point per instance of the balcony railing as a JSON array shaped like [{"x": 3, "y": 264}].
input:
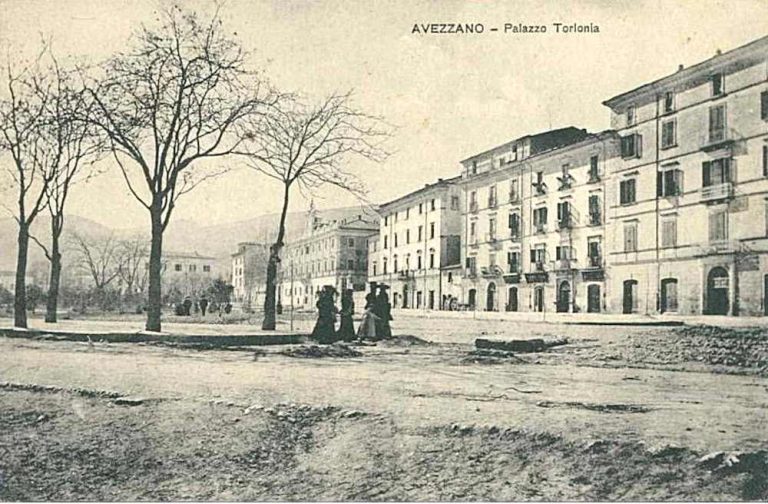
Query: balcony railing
[
  {"x": 540, "y": 228},
  {"x": 471, "y": 272},
  {"x": 539, "y": 266},
  {"x": 593, "y": 178},
  {"x": 406, "y": 274},
  {"x": 595, "y": 261},
  {"x": 717, "y": 192},
  {"x": 540, "y": 189},
  {"x": 716, "y": 138}
]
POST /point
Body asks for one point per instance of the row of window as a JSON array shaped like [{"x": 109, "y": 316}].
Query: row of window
[
  {"x": 326, "y": 244},
  {"x": 419, "y": 236},
  {"x": 564, "y": 254},
  {"x": 192, "y": 268},
  {"x": 717, "y": 88},
  {"x": 565, "y": 182},
  {"x": 432, "y": 206},
  {"x": 431, "y": 264},
  {"x": 718, "y": 231}
]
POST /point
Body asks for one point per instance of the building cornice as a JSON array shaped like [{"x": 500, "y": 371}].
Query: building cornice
[{"x": 741, "y": 57}]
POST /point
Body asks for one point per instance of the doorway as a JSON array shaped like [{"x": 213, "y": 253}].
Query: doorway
[
  {"x": 538, "y": 299},
  {"x": 630, "y": 296},
  {"x": 490, "y": 301},
  {"x": 472, "y": 301},
  {"x": 564, "y": 297},
  {"x": 668, "y": 295},
  {"x": 512, "y": 299},
  {"x": 405, "y": 296},
  {"x": 593, "y": 298},
  {"x": 717, "y": 291}
]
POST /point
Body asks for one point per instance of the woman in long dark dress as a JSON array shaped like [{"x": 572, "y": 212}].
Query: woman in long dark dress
[
  {"x": 324, "y": 331},
  {"x": 347, "y": 328},
  {"x": 383, "y": 311}
]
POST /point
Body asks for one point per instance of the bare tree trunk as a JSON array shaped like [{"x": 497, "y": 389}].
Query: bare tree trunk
[
  {"x": 154, "y": 301},
  {"x": 20, "y": 296},
  {"x": 270, "y": 298},
  {"x": 52, "y": 303}
]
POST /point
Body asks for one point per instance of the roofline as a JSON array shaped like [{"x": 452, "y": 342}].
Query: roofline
[
  {"x": 436, "y": 185},
  {"x": 590, "y": 138},
  {"x": 687, "y": 73},
  {"x": 507, "y": 144}
]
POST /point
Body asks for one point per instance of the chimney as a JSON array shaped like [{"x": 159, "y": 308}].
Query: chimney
[
  {"x": 718, "y": 52},
  {"x": 680, "y": 67}
]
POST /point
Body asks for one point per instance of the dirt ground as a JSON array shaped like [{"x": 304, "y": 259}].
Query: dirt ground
[{"x": 630, "y": 413}]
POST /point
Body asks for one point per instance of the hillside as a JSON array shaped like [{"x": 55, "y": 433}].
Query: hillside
[{"x": 182, "y": 236}]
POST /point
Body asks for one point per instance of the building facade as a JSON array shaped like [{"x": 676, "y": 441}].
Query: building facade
[
  {"x": 534, "y": 228},
  {"x": 249, "y": 273},
  {"x": 688, "y": 196},
  {"x": 419, "y": 238},
  {"x": 330, "y": 253}
]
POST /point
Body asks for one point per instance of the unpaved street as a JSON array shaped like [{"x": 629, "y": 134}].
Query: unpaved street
[{"x": 601, "y": 417}]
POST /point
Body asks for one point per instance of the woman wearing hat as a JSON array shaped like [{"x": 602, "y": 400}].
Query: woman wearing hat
[{"x": 325, "y": 331}]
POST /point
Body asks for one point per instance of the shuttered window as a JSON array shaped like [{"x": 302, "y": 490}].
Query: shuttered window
[
  {"x": 630, "y": 237},
  {"x": 718, "y": 226}
]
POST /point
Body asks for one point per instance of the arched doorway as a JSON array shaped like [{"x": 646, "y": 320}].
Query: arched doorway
[
  {"x": 668, "y": 295},
  {"x": 564, "y": 297},
  {"x": 490, "y": 300},
  {"x": 472, "y": 301},
  {"x": 538, "y": 299},
  {"x": 512, "y": 299},
  {"x": 593, "y": 298},
  {"x": 630, "y": 296},
  {"x": 717, "y": 291},
  {"x": 405, "y": 296}
]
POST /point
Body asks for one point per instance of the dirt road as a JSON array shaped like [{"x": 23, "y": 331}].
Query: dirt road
[{"x": 398, "y": 422}]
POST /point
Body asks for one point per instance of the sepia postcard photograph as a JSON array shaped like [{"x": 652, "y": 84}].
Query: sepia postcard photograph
[{"x": 396, "y": 250}]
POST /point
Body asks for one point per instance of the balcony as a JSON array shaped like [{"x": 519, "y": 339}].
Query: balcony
[
  {"x": 514, "y": 236},
  {"x": 512, "y": 276},
  {"x": 473, "y": 207},
  {"x": 595, "y": 262},
  {"x": 491, "y": 271},
  {"x": 717, "y": 139},
  {"x": 595, "y": 219},
  {"x": 540, "y": 228},
  {"x": 566, "y": 183},
  {"x": 717, "y": 192},
  {"x": 593, "y": 178},
  {"x": 471, "y": 272},
  {"x": 492, "y": 202},
  {"x": 563, "y": 264},
  {"x": 514, "y": 197},
  {"x": 540, "y": 189},
  {"x": 539, "y": 266},
  {"x": 405, "y": 275},
  {"x": 565, "y": 223}
]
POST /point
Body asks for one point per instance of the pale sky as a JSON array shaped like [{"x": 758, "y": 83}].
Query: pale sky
[{"x": 450, "y": 95}]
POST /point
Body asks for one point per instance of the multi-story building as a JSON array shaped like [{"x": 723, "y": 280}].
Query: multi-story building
[
  {"x": 534, "y": 226},
  {"x": 330, "y": 253},
  {"x": 188, "y": 273},
  {"x": 418, "y": 243},
  {"x": 688, "y": 196},
  {"x": 249, "y": 273}
]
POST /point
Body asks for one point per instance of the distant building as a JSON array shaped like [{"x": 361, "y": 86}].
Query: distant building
[
  {"x": 418, "y": 243},
  {"x": 689, "y": 194},
  {"x": 8, "y": 280},
  {"x": 330, "y": 253},
  {"x": 249, "y": 273}
]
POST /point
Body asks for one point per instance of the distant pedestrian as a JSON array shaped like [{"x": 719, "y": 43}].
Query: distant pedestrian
[
  {"x": 383, "y": 309},
  {"x": 203, "y": 305},
  {"x": 367, "y": 329},
  {"x": 347, "y": 328},
  {"x": 325, "y": 331},
  {"x": 187, "y": 306}
]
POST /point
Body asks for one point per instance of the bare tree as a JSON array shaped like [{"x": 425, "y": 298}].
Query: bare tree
[
  {"x": 133, "y": 253},
  {"x": 98, "y": 258},
  {"x": 73, "y": 141},
  {"x": 26, "y": 137},
  {"x": 172, "y": 100},
  {"x": 308, "y": 146}
]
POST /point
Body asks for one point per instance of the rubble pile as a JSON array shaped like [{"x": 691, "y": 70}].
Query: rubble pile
[{"x": 337, "y": 350}]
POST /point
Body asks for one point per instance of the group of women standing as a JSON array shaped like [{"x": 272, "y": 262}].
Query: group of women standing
[{"x": 374, "y": 324}]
